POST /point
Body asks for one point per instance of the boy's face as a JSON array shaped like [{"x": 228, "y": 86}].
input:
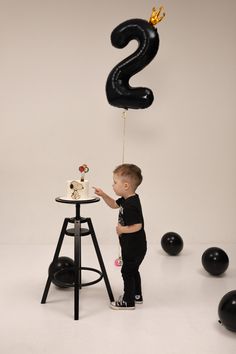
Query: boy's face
[{"x": 120, "y": 185}]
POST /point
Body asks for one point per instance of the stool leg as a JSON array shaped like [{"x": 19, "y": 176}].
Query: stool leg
[
  {"x": 98, "y": 252},
  {"x": 56, "y": 254},
  {"x": 77, "y": 260}
]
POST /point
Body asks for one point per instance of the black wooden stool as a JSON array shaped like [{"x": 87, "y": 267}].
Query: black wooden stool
[{"x": 77, "y": 232}]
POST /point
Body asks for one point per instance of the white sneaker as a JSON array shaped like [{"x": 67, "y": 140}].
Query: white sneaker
[
  {"x": 120, "y": 304},
  {"x": 138, "y": 299}
]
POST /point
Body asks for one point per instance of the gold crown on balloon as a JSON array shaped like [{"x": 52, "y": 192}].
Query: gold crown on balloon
[{"x": 157, "y": 15}]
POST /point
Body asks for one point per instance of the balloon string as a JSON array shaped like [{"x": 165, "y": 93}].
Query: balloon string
[
  {"x": 124, "y": 114},
  {"x": 124, "y": 128}
]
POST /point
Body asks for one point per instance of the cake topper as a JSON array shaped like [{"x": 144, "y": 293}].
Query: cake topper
[{"x": 83, "y": 169}]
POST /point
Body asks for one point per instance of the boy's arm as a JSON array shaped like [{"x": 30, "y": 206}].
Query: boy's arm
[
  {"x": 107, "y": 199},
  {"x": 128, "y": 229}
]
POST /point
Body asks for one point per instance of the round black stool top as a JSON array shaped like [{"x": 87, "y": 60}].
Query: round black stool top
[{"x": 77, "y": 201}]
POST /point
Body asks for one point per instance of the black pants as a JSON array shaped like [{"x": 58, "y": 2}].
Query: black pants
[{"x": 131, "y": 276}]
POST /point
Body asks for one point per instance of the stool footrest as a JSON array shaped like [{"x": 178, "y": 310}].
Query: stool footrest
[
  {"x": 83, "y": 232},
  {"x": 66, "y": 277}
]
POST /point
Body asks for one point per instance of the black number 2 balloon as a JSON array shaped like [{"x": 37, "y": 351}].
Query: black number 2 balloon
[{"x": 119, "y": 92}]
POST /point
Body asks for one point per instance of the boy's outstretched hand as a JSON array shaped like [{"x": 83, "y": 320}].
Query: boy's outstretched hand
[
  {"x": 98, "y": 191},
  {"x": 108, "y": 200}
]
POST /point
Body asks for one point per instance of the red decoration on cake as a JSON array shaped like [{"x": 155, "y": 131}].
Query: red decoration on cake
[{"x": 83, "y": 169}]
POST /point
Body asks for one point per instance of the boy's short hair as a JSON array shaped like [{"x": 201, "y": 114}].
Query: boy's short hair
[{"x": 131, "y": 171}]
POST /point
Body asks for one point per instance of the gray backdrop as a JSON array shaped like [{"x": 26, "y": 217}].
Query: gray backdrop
[{"x": 54, "y": 62}]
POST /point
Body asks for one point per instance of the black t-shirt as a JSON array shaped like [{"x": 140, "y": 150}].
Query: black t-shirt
[{"x": 131, "y": 213}]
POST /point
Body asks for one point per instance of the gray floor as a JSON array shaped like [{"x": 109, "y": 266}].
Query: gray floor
[{"x": 179, "y": 313}]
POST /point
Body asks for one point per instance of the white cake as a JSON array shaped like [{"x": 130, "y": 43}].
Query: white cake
[{"x": 77, "y": 189}]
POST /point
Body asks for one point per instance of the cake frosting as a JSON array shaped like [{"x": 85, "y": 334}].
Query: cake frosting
[{"x": 78, "y": 188}]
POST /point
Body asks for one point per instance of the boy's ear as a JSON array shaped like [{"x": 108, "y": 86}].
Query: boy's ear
[{"x": 126, "y": 185}]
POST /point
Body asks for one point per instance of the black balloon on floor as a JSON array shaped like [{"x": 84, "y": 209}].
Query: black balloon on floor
[
  {"x": 227, "y": 310},
  {"x": 62, "y": 272},
  {"x": 172, "y": 243},
  {"x": 215, "y": 260}
]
